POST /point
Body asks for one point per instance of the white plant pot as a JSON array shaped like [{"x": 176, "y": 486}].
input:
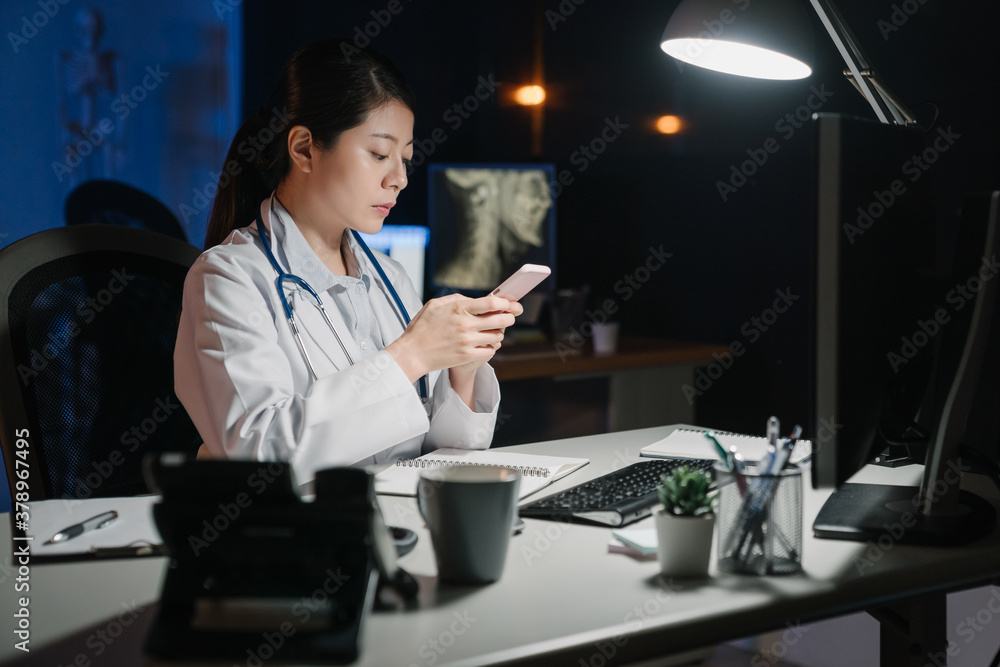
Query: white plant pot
[{"x": 684, "y": 543}]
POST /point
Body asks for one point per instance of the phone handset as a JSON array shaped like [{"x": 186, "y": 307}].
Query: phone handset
[{"x": 522, "y": 281}]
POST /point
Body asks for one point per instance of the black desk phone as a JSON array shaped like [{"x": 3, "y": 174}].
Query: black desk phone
[{"x": 250, "y": 559}]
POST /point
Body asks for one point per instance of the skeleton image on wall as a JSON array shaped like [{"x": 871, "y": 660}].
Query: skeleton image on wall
[
  {"x": 87, "y": 80},
  {"x": 501, "y": 214}
]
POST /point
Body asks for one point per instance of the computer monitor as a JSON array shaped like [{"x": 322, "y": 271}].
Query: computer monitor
[
  {"x": 486, "y": 221},
  {"x": 407, "y": 244},
  {"x": 888, "y": 352}
]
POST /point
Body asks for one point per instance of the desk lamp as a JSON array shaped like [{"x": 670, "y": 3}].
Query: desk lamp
[{"x": 771, "y": 39}]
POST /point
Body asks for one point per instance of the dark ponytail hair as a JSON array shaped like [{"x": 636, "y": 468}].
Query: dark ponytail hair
[{"x": 328, "y": 86}]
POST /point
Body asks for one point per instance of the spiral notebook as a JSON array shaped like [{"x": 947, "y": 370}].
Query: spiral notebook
[
  {"x": 537, "y": 471},
  {"x": 688, "y": 443}
]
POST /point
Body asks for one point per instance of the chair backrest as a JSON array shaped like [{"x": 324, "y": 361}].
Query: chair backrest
[
  {"x": 99, "y": 202},
  {"x": 88, "y": 321}
]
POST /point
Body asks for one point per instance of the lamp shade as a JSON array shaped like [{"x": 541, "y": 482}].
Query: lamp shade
[{"x": 765, "y": 39}]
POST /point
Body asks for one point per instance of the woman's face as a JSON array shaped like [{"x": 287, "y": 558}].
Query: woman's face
[{"x": 355, "y": 182}]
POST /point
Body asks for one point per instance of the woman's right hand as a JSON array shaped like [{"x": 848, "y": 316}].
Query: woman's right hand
[{"x": 450, "y": 331}]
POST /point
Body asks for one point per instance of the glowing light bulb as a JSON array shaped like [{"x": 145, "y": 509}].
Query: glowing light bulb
[
  {"x": 736, "y": 58},
  {"x": 530, "y": 96},
  {"x": 668, "y": 124}
]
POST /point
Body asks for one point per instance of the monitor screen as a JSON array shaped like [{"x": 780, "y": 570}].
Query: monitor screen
[
  {"x": 873, "y": 276},
  {"x": 486, "y": 221},
  {"x": 896, "y": 347}
]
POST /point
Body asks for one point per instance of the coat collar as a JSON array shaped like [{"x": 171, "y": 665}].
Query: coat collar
[{"x": 291, "y": 249}]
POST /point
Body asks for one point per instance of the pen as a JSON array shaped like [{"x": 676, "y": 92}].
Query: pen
[
  {"x": 772, "y": 444},
  {"x": 93, "y": 523},
  {"x": 739, "y": 464},
  {"x": 773, "y": 426},
  {"x": 723, "y": 454},
  {"x": 785, "y": 452},
  {"x": 739, "y": 467}
]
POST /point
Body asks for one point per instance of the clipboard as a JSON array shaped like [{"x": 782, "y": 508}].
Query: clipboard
[{"x": 132, "y": 535}]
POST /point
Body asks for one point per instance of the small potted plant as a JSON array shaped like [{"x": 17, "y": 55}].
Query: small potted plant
[{"x": 686, "y": 522}]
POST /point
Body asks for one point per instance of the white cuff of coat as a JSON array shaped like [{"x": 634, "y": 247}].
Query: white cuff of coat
[
  {"x": 454, "y": 424},
  {"x": 376, "y": 382}
]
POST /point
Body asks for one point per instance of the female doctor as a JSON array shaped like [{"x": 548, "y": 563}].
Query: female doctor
[{"x": 296, "y": 342}]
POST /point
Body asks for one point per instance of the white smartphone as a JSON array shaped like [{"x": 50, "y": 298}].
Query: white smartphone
[{"x": 523, "y": 281}]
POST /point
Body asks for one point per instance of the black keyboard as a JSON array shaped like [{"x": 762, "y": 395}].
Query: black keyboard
[{"x": 618, "y": 498}]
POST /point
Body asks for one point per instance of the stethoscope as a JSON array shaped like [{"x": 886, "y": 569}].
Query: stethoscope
[{"x": 283, "y": 276}]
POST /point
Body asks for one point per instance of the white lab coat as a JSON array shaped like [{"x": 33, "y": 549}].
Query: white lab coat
[{"x": 242, "y": 379}]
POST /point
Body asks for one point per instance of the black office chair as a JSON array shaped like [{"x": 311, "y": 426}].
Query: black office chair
[
  {"x": 88, "y": 320},
  {"x": 100, "y": 202}
]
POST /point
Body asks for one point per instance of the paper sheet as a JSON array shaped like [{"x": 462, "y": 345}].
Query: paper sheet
[{"x": 133, "y": 527}]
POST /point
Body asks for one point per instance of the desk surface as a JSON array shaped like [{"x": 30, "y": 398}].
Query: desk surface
[
  {"x": 547, "y": 359},
  {"x": 562, "y": 597}
]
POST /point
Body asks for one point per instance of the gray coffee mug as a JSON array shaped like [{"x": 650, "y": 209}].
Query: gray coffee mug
[{"x": 469, "y": 511}]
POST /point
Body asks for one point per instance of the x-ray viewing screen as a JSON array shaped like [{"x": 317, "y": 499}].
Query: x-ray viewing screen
[{"x": 486, "y": 221}]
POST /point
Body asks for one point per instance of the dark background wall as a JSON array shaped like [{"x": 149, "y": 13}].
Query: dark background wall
[{"x": 602, "y": 65}]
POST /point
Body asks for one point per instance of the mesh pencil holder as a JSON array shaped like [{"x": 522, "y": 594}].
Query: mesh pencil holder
[{"x": 759, "y": 520}]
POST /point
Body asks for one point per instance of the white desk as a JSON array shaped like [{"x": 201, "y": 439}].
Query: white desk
[{"x": 562, "y": 597}]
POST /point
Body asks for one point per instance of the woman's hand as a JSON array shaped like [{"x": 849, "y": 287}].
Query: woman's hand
[{"x": 453, "y": 332}]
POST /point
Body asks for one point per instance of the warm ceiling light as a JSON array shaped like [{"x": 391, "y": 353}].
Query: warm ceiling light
[
  {"x": 668, "y": 124},
  {"x": 530, "y": 96}
]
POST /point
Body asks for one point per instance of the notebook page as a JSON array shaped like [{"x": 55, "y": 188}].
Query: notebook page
[
  {"x": 134, "y": 525},
  {"x": 690, "y": 444},
  {"x": 537, "y": 471}
]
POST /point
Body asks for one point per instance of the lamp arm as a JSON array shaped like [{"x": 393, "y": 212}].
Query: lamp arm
[
  {"x": 886, "y": 106},
  {"x": 893, "y": 101}
]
